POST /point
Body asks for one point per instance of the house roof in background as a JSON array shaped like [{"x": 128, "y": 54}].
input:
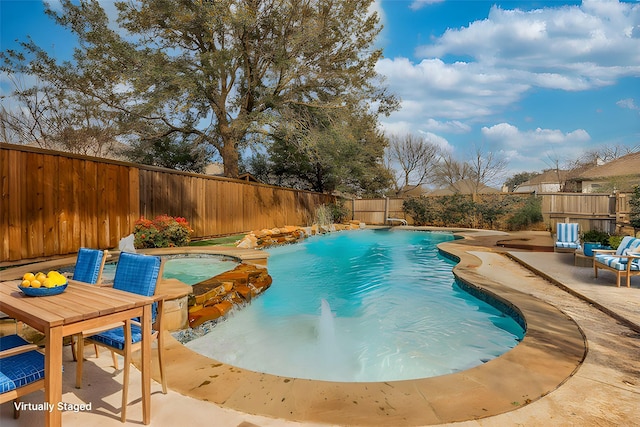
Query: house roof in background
[
  {"x": 622, "y": 166},
  {"x": 551, "y": 176}
]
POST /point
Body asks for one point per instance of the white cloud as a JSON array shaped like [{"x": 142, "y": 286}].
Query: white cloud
[
  {"x": 437, "y": 140},
  {"x": 568, "y": 48},
  {"x": 510, "y": 136},
  {"x": 419, "y": 4},
  {"x": 458, "y": 91},
  {"x": 628, "y": 103}
]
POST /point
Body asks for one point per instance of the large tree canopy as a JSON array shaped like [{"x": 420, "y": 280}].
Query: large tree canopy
[
  {"x": 225, "y": 73},
  {"x": 325, "y": 150}
]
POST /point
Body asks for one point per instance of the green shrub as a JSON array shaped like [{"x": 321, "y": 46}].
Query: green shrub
[
  {"x": 163, "y": 231},
  {"x": 419, "y": 209},
  {"x": 338, "y": 212},
  {"x": 528, "y": 214},
  {"x": 614, "y": 241},
  {"x": 596, "y": 236}
]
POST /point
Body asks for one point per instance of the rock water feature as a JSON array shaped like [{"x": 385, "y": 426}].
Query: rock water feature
[{"x": 215, "y": 297}]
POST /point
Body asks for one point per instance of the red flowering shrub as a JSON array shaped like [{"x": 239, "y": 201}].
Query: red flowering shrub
[{"x": 163, "y": 232}]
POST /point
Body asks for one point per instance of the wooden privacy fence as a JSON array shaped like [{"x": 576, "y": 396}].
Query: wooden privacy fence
[
  {"x": 54, "y": 203},
  {"x": 604, "y": 212},
  {"x": 376, "y": 211}
]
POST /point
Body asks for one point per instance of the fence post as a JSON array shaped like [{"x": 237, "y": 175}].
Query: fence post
[{"x": 386, "y": 209}]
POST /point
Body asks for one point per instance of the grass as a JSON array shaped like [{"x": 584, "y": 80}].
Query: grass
[{"x": 224, "y": 241}]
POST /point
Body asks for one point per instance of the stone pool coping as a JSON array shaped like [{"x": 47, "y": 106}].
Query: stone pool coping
[{"x": 551, "y": 352}]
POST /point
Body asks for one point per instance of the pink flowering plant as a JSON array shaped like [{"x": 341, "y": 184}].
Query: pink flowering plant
[{"x": 163, "y": 231}]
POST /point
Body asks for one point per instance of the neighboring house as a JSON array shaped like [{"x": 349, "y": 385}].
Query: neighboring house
[
  {"x": 464, "y": 186},
  {"x": 549, "y": 181},
  {"x": 215, "y": 169},
  {"x": 621, "y": 174}
]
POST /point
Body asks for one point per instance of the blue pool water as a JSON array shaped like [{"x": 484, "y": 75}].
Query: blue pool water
[{"x": 368, "y": 305}]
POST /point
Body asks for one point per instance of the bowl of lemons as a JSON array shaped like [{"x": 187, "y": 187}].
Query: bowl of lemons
[{"x": 42, "y": 285}]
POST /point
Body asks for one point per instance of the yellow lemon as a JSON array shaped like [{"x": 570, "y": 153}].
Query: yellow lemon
[
  {"x": 52, "y": 273},
  {"x": 36, "y": 283},
  {"x": 25, "y": 283},
  {"x": 40, "y": 277},
  {"x": 28, "y": 276},
  {"x": 60, "y": 280},
  {"x": 49, "y": 283}
]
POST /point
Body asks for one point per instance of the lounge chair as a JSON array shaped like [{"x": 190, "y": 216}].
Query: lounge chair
[
  {"x": 88, "y": 269},
  {"x": 139, "y": 274},
  {"x": 567, "y": 237},
  {"x": 624, "y": 261},
  {"x": 21, "y": 369}
]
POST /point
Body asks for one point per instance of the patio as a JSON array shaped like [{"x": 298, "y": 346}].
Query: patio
[{"x": 603, "y": 390}]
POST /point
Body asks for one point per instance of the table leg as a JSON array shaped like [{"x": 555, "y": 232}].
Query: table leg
[
  {"x": 146, "y": 364},
  {"x": 53, "y": 375}
]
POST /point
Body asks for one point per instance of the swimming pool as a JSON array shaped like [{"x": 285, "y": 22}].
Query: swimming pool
[{"x": 362, "y": 306}]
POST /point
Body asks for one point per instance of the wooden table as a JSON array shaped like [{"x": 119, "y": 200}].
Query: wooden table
[{"x": 79, "y": 308}]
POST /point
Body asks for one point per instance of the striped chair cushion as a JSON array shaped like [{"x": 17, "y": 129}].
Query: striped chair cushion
[
  {"x": 617, "y": 263},
  {"x": 21, "y": 369},
  {"x": 567, "y": 235},
  {"x": 570, "y": 245},
  {"x": 625, "y": 243}
]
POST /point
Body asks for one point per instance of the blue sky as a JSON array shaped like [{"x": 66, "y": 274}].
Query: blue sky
[{"x": 537, "y": 81}]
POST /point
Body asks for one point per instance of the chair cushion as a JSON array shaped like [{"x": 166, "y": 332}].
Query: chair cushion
[
  {"x": 88, "y": 264},
  {"x": 567, "y": 232},
  {"x": 616, "y": 262},
  {"x": 625, "y": 243},
  {"x": 21, "y": 369},
  {"x": 137, "y": 273},
  {"x": 570, "y": 245},
  {"x": 6, "y": 384},
  {"x": 115, "y": 337}
]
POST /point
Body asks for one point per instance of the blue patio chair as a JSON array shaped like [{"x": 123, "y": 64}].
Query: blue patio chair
[
  {"x": 139, "y": 274},
  {"x": 21, "y": 369},
  {"x": 567, "y": 237},
  {"x": 88, "y": 269}
]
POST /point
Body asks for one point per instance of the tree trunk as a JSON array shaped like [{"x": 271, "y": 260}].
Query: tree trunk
[{"x": 229, "y": 156}]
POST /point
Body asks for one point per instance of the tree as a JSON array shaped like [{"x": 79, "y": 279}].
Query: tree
[
  {"x": 53, "y": 118},
  {"x": 222, "y": 73},
  {"x": 485, "y": 167},
  {"x": 415, "y": 158},
  {"x": 449, "y": 170},
  {"x": 166, "y": 152},
  {"x": 332, "y": 150}
]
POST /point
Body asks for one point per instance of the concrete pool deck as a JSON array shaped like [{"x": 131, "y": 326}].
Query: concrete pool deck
[{"x": 578, "y": 365}]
